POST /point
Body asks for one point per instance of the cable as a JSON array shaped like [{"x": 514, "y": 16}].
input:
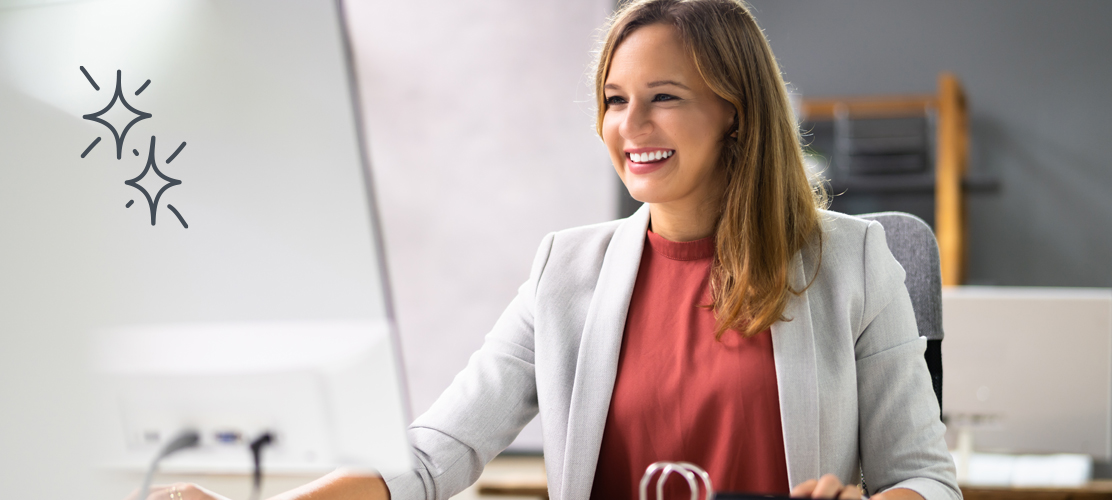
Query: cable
[
  {"x": 184, "y": 439},
  {"x": 257, "y": 455}
]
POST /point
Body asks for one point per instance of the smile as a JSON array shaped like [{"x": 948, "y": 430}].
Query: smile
[{"x": 650, "y": 156}]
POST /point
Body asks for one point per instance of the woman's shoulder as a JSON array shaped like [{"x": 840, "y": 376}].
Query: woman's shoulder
[
  {"x": 839, "y": 228},
  {"x": 590, "y": 242},
  {"x": 580, "y": 234},
  {"x": 852, "y": 243},
  {"x": 569, "y": 262}
]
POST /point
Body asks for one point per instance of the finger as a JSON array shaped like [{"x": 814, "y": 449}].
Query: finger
[
  {"x": 851, "y": 492},
  {"x": 179, "y": 491},
  {"x": 829, "y": 486},
  {"x": 804, "y": 489}
]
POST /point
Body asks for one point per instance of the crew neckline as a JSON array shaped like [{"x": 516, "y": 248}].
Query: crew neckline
[{"x": 681, "y": 250}]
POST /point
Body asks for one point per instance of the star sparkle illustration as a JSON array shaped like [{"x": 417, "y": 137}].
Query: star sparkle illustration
[
  {"x": 151, "y": 179},
  {"x": 130, "y": 115}
]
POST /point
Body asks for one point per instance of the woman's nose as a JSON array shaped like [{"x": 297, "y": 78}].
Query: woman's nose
[{"x": 636, "y": 122}]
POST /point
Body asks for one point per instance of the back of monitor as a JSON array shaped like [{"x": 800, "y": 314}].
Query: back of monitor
[
  {"x": 1030, "y": 369},
  {"x": 174, "y": 166}
]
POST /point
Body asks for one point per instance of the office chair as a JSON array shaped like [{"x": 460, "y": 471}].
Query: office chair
[{"x": 913, "y": 245}]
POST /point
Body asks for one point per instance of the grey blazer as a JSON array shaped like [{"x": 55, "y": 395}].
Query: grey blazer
[{"x": 854, "y": 388}]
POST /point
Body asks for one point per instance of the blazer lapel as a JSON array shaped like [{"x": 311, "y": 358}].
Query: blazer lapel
[
  {"x": 793, "y": 346},
  {"x": 597, "y": 363}
]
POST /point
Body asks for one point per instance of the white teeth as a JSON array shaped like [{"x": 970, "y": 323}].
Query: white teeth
[
  {"x": 657, "y": 155},
  {"x": 650, "y": 157}
]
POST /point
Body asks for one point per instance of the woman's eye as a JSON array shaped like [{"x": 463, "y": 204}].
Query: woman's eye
[
  {"x": 664, "y": 97},
  {"x": 613, "y": 100}
]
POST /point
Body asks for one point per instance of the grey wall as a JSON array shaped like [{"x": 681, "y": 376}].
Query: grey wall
[{"x": 1038, "y": 76}]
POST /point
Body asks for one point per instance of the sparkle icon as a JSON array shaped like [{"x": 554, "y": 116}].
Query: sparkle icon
[
  {"x": 128, "y": 114},
  {"x": 152, "y": 180}
]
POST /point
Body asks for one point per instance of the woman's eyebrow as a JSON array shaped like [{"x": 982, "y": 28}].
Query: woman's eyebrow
[
  {"x": 658, "y": 83},
  {"x": 661, "y": 83}
]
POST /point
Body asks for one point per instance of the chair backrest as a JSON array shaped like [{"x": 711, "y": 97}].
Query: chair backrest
[{"x": 913, "y": 245}]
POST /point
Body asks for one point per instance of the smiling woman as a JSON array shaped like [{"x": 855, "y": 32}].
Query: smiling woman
[
  {"x": 698, "y": 64},
  {"x": 731, "y": 322}
]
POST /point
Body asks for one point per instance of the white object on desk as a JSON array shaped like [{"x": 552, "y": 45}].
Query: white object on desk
[
  {"x": 1038, "y": 361},
  {"x": 1061, "y": 470}
]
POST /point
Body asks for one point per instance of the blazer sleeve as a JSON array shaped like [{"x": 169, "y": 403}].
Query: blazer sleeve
[
  {"x": 483, "y": 409},
  {"x": 901, "y": 436}
]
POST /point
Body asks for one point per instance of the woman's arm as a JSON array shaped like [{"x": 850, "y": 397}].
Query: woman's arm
[
  {"x": 338, "y": 485},
  {"x": 900, "y": 434},
  {"x": 484, "y": 408}
]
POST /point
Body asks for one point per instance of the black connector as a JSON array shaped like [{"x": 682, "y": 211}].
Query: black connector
[{"x": 257, "y": 455}]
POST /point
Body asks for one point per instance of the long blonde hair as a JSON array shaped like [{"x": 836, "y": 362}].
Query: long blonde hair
[{"x": 770, "y": 210}]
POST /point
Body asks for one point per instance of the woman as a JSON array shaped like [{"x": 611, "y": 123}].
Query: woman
[{"x": 730, "y": 322}]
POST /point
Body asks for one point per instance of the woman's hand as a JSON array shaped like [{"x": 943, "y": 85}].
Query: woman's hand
[
  {"x": 338, "y": 485},
  {"x": 829, "y": 486},
  {"x": 177, "y": 491}
]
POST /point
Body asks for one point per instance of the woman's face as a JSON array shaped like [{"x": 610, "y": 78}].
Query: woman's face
[{"x": 663, "y": 125}]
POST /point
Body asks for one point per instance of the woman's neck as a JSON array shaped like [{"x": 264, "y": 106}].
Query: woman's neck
[{"x": 681, "y": 224}]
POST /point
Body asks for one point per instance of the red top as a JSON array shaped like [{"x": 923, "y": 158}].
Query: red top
[{"x": 681, "y": 395}]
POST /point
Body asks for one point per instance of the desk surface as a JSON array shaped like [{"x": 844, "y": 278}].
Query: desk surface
[
  {"x": 524, "y": 476},
  {"x": 1095, "y": 490}
]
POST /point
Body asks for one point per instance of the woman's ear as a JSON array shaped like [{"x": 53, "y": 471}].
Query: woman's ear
[{"x": 734, "y": 127}]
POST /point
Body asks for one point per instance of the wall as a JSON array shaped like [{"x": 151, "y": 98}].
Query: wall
[
  {"x": 1037, "y": 75},
  {"x": 482, "y": 141}
]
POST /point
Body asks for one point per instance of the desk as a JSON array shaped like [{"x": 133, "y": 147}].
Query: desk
[
  {"x": 524, "y": 477},
  {"x": 1096, "y": 490},
  {"x": 514, "y": 476}
]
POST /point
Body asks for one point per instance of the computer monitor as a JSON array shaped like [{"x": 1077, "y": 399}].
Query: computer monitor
[
  {"x": 184, "y": 193},
  {"x": 1029, "y": 370}
]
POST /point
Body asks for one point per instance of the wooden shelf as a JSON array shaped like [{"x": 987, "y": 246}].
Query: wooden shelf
[{"x": 951, "y": 154}]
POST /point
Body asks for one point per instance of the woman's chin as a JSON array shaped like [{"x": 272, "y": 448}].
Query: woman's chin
[{"x": 646, "y": 195}]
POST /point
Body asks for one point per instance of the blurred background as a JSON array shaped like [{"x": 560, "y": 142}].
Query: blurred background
[{"x": 1036, "y": 76}]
